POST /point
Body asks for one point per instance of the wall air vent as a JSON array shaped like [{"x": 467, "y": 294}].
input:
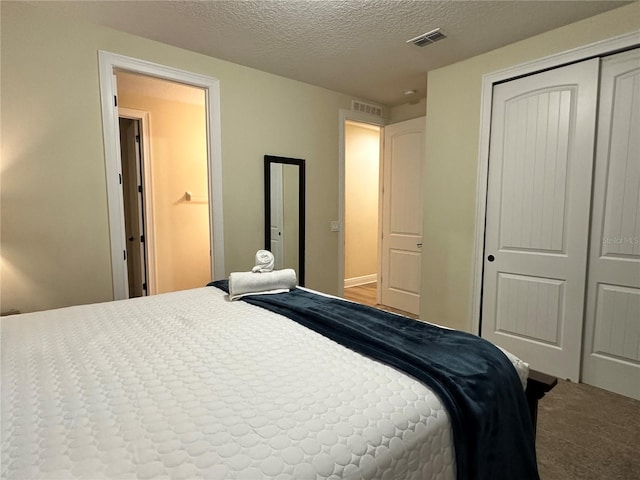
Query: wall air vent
[
  {"x": 427, "y": 38},
  {"x": 358, "y": 106}
]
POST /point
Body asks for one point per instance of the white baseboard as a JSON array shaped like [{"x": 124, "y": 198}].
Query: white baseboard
[{"x": 355, "y": 281}]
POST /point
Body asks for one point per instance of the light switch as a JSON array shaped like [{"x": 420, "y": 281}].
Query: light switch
[{"x": 335, "y": 226}]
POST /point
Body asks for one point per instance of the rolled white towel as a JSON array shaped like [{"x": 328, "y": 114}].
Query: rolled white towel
[
  {"x": 264, "y": 261},
  {"x": 250, "y": 283}
]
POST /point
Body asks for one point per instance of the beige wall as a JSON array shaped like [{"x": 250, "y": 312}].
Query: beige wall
[
  {"x": 407, "y": 111},
  {"x": 362, "y": 158},
  {"x": 452, "y": 140},
  {"x": 55, "y": 232},
  {"x": 178, "y": 164}
]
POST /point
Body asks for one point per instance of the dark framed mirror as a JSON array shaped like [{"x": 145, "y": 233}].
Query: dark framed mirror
[{"x": 284, "y": 212}]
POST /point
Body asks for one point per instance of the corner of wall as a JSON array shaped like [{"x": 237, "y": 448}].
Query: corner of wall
[{"x": 408, "y": 111}]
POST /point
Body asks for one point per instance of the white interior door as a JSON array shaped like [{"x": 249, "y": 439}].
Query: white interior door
[
  {"x": 134, "y": 224},
  {"x": 537, "y": 223},
  {"x": 401, "y": 241},
  {"x": 612, "y": 328},
  {"x": 137, "y": 136},
  {"x": 277, "y": 215}
]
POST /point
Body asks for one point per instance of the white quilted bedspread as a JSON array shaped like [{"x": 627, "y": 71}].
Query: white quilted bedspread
[{"x": 188, "y": 385}]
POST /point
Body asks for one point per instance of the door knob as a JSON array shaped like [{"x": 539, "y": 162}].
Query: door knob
[
  {"x": 491, "y": 258},
  {"x": 131, "y": 239},
  {"x": 419, "y": 245}
]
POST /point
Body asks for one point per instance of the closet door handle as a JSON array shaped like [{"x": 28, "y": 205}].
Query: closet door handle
[{"x": 491, "y": 258}]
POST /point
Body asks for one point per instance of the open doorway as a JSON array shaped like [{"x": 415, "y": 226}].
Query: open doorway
[
  {"x": 394, "y": 284},
  {"x": 361, "y": 206},
  {"x": 166, "y": 201},
  {"x": 109, "y": 64}
]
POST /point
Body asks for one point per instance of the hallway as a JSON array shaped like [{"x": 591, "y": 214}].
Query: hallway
[{"x": 366, "y": 294}]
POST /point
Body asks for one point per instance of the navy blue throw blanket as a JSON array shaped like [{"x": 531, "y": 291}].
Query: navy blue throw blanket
[{"x": 492, "y": 430}]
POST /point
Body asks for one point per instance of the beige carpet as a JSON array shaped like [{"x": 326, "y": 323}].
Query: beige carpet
[{"x": 585, "y": 433}]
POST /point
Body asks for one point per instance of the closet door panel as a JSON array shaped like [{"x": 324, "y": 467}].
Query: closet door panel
[
  {"x": 612, "y": 327},
  {"x": 537, "y": 224}
]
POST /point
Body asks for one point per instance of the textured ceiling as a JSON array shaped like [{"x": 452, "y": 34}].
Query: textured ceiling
[{"x": 352, "y": 46}]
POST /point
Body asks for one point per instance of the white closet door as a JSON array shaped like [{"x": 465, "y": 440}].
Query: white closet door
[
  {"x": 537, "y": 224},
  {"x": 612, "y": 331}
]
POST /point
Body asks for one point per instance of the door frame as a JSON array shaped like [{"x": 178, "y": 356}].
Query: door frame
[
  {"x": 343, "y": 116},
  {"x": 108, "y": 91},
  {"x": 147, "y": 189},
  {"x": 603, "y": 47}
]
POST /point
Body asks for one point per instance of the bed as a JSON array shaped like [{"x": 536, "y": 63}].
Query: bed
[{"x": 191, "y": 385}]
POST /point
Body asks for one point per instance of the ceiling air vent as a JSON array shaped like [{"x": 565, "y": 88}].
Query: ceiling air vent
[
  {"x": 427, "y": 38},
  {"x": 369, "y": 108}
]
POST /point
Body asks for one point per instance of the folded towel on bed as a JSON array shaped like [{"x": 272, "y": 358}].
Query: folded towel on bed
[
  {"x": 250, "y": 283},
  {"x": 264, "y": 261}
]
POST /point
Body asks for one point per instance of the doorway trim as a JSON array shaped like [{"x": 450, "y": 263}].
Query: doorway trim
[
  {"x": 343, "y": 116},
  {"x": 600, "y": 48},
  {"x": 147, "y": 188},
  {"x": 108, "y": 91}
]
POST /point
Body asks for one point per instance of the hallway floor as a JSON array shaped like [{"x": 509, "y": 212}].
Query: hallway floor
[{"x": 366, "y": 294}]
